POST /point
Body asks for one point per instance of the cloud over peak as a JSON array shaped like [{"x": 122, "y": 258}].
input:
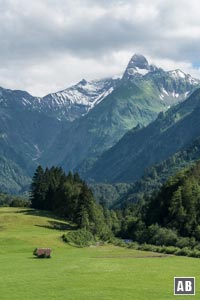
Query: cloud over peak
[{"x": 50, "y": 44}]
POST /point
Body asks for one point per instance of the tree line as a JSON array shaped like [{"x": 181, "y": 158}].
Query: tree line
[
  {"x": 170, "y": 216},
  {"x": 69, "y": 197}
]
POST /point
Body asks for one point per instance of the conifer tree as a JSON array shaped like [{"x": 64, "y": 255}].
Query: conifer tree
[{"x": 38, "y": 189}]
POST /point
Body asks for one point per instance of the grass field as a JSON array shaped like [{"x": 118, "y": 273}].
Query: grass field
[{"x": 104, "y": 272}]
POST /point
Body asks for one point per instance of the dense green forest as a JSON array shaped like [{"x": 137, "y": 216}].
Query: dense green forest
[
  {"x": 177, "y": 204},
  {"x": 111, "y": 195},
  {"x": 169, "y": 217},
  {"x": 152, "y": 180},
  {"x": 69, "y": 197},
  {"x": 119, "y": 195}
]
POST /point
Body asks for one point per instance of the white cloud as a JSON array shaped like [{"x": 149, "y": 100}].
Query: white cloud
[{"x": 48, "y": 44}]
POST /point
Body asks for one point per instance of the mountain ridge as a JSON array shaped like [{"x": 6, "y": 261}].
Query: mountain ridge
[
  {"x": 55, "y": 131},
  {"x": 140, "y": 149}
]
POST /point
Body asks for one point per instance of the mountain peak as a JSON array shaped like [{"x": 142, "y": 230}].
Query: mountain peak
[
  {"x": 139, "y": 61},
  {"x": 138, "y": 65},
  {"x": 83, "y": 82}
]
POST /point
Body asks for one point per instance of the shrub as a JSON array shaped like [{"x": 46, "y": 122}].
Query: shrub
[
  {"x": 148, "y": 247},
  {"x": 80, "y": 238},
  {"x": 117, "y": 242},
  {"x": 184, "y": 252},
  {"x": 197, "y": 247},
  {"x": 186, "y": 242},
  {"x": 20, "y": 202},
  {"x": 161, "y": 236},
  {"x": 169, "y": 250},
  {"x": 133, "y": 245},
  {"x": 195, "y": 253}
]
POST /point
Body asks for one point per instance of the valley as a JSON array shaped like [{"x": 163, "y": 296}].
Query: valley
[{"x": 103, "y": 272}]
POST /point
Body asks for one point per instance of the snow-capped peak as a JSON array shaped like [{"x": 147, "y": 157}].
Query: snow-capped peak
[
  {"x": 79, "y": 98},
  {"x": 82, "y": 82},
  {"x": 138, "y": 66},
  {"x": 177, "y": 74},
  {"x": 138, "y": 61}
]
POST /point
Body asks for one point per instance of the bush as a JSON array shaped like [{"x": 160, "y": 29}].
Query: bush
[
  {"x": 197, "y": 247},
  {"x": 195, "y": 253},
  {"x": 148, "y": 247},
  {"x": 117, "y": 242},
  {"x": 133, "y": 245},
  {"x": 161, "y": 236},
  {"x": 80, "y": 238},
  {"x": 184, "y": 252},
  {"x": 169, "y": 250},
  {"x": 20, "y": 202}
]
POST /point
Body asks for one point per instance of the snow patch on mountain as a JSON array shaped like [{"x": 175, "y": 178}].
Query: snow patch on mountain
[
  {"x": 77, "y": 100},
  {"x": 165, "y": 92},
  {"x": 132, "y": 71},
  {"x": 138, "y": 66},
  {"x": 177, "y": 74},
  {"x": 38, "y": 152},
  {"x": 85, "y": 93}
]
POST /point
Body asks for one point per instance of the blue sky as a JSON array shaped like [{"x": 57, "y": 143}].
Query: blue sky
[
  {"x": 47, "y": 45},
  {"x": 196, "y": 65}
]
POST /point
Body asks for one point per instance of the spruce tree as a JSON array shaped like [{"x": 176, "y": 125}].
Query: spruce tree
[{"x": 38, "y": 189}]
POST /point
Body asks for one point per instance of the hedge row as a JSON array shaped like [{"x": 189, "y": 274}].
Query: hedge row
[{"x": 186, "y": 251}]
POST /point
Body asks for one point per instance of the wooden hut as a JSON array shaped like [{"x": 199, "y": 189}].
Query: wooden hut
[{"x": 42, "y": 252}]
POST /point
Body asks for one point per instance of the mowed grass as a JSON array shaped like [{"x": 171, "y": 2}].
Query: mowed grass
[{"x": 104, "y": 272}]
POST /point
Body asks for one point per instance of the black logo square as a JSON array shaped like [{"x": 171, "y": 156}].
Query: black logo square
[{"x": 184, "y": 285}]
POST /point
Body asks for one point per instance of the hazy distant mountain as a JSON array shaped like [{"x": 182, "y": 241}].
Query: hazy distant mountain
[
  {"x": 154, "y": 177},
  {"x": 29, "y": 126},
  {"x": 141, "y": 148},
  {"x": 25, "y": 132}
]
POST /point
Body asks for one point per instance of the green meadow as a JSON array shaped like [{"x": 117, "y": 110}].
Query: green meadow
[{"x": 99, "y": 272}]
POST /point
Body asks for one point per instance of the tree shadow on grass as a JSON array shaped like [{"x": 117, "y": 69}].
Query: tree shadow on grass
[
  {"x": 38, "y": 213},
  {"x": 41, "y": 213},
  {"x": 56, "y": 225},
  {"x": 61, "y": 225}
]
